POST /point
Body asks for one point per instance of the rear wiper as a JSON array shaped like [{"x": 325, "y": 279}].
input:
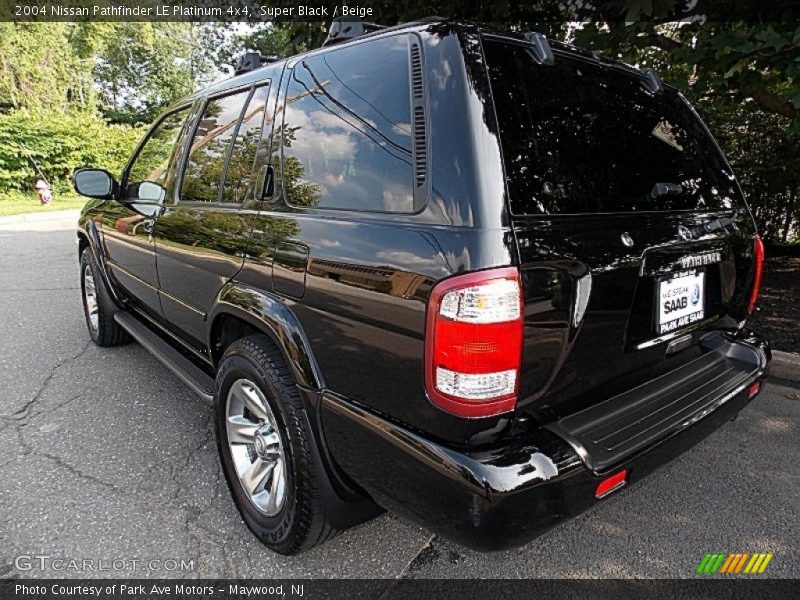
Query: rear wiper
[
  {"x": 665, "y": 189},
  {"x": 717, "y": 224},
  {"x": 674, "y": 189}
]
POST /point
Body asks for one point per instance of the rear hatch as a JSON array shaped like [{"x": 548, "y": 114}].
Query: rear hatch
[{"x": 634, "y": 241}]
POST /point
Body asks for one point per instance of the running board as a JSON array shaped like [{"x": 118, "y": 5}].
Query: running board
[{"x": 190, "y": 374}]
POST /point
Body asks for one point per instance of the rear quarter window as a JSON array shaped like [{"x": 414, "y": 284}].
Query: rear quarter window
[
  {"x": 346, "y": 135},
  {"x": 580, "y": 137}
]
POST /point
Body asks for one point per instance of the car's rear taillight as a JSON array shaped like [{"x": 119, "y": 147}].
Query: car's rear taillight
[
  {"x": 473, "y": 343},
  {"x": 758, "y": 269}
]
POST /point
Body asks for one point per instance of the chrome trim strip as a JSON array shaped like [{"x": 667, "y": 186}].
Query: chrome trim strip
[
  {"x": 177, "y": 300},
  {"x": 124, "y": 271}
]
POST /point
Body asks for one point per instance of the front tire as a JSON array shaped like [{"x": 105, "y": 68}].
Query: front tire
[
  {"x": 266, "y": 448},
  {"x": 97, "y": 305}
]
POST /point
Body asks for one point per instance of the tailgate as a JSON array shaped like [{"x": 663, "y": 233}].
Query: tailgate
[{"x": 634, "y": 240}]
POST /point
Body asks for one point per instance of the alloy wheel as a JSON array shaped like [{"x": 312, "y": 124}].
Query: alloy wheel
[
  {"x": 255, "y": 446},
  {"x": 90, "y": 297}
]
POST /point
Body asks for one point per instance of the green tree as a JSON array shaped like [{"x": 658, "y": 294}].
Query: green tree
[
  {"x": 41, "y": 68},
  {"x": 268, "y": 39},
  {"x": 144, "y": 67}
]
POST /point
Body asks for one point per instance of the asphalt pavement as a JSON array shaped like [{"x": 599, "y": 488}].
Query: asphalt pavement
[{"x": 105, "y": 457}]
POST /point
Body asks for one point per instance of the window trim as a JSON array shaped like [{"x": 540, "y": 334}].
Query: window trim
[
  {"x": 232, "y": 91},
  {"x": 417, "y": 206}
]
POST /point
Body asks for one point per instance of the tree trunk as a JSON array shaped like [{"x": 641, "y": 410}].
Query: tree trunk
[{"x": 790, "y": 206}]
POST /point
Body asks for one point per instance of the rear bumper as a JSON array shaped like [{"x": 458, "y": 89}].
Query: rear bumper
[{"x": 507, "y": 496}]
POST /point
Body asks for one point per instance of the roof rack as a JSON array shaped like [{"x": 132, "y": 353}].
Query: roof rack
[
  {"x": 652, "y": 81},
  {"x": 348, "y": 28},
  {"x": 251, "y": 60},
  {"x": 541, "y": 47}
]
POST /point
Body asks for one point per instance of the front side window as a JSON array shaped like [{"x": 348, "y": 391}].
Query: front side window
[
  {"x": 148, "y": 175},
  {"x": 579, "y": 137},
  {"x": 346, "y": 131}
]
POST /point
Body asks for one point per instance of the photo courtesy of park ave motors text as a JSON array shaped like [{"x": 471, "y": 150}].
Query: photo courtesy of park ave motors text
[{"x": 398, "y": 294}]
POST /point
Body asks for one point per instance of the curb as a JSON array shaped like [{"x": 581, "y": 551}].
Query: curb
[
  {"x": 73, "y": 213},
  {"x": 785, "y": 365}
]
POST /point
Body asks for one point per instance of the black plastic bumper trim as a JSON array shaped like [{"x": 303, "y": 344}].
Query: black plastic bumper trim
[{"x": 605, "y": 434}]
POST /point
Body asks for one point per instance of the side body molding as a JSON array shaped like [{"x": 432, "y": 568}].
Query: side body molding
[{"x": 270, "y": 314}]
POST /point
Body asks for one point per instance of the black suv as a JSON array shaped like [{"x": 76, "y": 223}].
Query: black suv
[{"x": 466, "y": 275}]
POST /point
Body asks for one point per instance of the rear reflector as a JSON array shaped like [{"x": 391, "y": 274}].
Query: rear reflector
[
  {"x": 610, "y": 484},
  {"x": 754, "y": 389},
  {"x": 473, "y": 343},
  {"x": 758, "y": 270}
]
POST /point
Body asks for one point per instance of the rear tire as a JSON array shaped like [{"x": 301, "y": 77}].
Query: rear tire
[
  {"x": 263, "y": 432},
  {"x": 98, "y": 308}
]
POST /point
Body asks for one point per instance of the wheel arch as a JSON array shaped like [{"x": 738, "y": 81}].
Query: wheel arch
[
  {"x": 257, "y": 311},
  {"x": 83, "y": 242},
  {"x": 89, "y": 237}
]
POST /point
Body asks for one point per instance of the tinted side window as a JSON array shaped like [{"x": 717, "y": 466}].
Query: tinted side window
[
  {"x": 347, "y": 129},
  {"x": 581, "y": 137},
  {"x": 209, "y": 149},
  {"x": 243, "y": 154},
  {"x": 154, "y": 159}
]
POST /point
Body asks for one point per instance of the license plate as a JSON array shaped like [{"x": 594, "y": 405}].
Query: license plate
[{"x": 680, "y": 300}]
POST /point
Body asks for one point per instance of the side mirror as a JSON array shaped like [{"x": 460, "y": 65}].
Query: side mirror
[{"x": 95, "y": 183}]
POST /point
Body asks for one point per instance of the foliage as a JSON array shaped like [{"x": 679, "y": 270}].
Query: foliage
[
  {"x": 40, "y": 68},
  {"x": 59, "y": 143},
  {"x": 144, "y": 67},
  {"x": 765, "y": 159},
  {"x": 267, "y": 39},
  {"x": 130, "y": 71}
]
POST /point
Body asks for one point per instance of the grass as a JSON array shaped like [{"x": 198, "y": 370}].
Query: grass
[{"x": 18, "y": 203}]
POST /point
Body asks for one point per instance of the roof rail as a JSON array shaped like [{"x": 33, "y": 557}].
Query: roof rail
[
  {"x": 348, "y": 28},
  {"x": 541, "y": 47},
  {"x": 251, "y": 60},
  {"x": 652, "y": 81}
]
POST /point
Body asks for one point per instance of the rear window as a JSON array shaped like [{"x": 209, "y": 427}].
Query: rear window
[{"x": 584, "y": 138}]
